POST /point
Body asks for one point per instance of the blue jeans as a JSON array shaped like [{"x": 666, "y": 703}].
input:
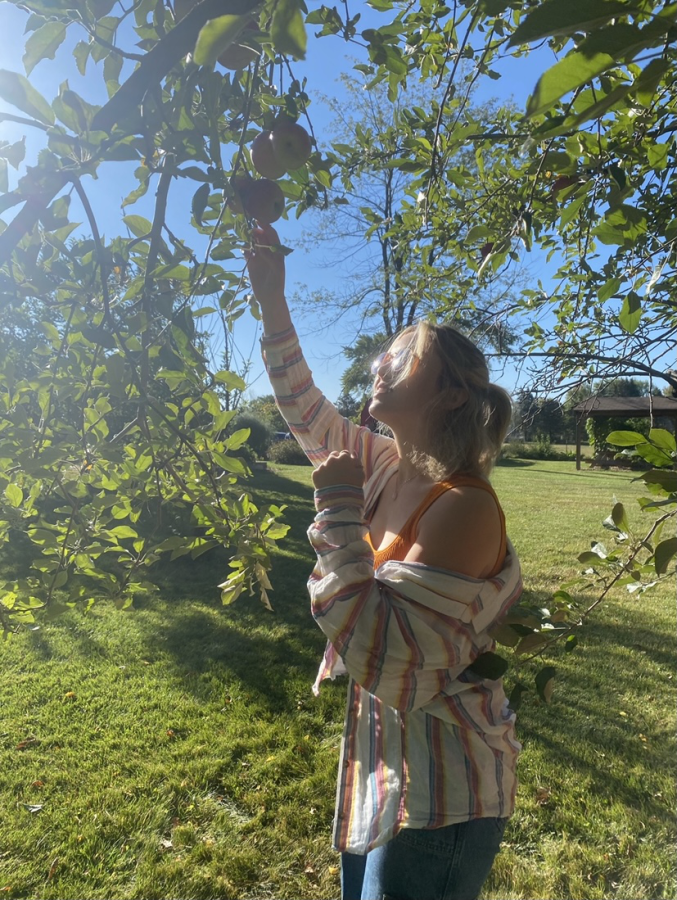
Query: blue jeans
[{"x": 449, "y": 863}]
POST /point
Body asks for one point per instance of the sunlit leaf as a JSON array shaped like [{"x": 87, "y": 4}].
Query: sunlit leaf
[
  {"x": 552, "y": 17},
  {"x": 631, "y": 312},
  {"x": 43, "y": 44},
  {"x": 288, "y": 31},
  {"x": 18, "y": 91},
  {"x": 215, "y": 36}
]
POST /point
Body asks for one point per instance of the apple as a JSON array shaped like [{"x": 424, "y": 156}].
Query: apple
[
  {"x": 239, "y": 183},
  {"x": 291, "y": 144},
  {"x": 486, "y": 249},
  {"x": 263, "y": 200},
  {"x": 238, "y": 55},
  {"x": 264, "y": 158},
  {"x": 562, "y": 183}
]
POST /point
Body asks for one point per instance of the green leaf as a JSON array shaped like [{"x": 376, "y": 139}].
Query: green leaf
[
  {"x": 555, "y": 17},
  {"x": 663, "y": 438},
  {"x": 506, "y": 635},
  {"x": 138, "y": 225},
  {"x": 515, "y": 698},
  {"x": 608, "y": 289},
  {"x": 626, "y": 438},
  {"x": 654, "y": 455},
  {"x": 14, "y": 495},
  {"x": 532, "y": 642},
  {"x": 569, "y": 73},
  {"x": 545, "y": 681},
  {"x": 199, "y": 203},
  {"x": 657, "y": 155},
  {"x": 215, "y": 36},
  {"x": 664, "y": 552},
  {"x": 232, "y": 381},
  {"x": 43, "y": 44},
  {"x": 619, "y": 517},
  {"x": 489, "y": 665},
  {"x": 631, "y": 312},
  {"x": 18, "y": 91},
  {"x": 288, "y": 31},
  {"x": 666, "y": 478}
]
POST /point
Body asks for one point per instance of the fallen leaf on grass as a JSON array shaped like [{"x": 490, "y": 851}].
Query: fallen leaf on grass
[
  {"x": 52, "y": 869},
  {"x": 542, "y": 796},
  {"x": 33, "y": 807},
  {"x": 37, "y": 783},
  {"x": 69, "y": 695},
  {"x": 28, "y": 742},
  {"x": 166, "y": 844}
]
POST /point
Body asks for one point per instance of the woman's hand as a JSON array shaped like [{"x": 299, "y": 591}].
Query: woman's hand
[
  {"x": 266, "y": 266},
  {"x": 339, "y": 468}
]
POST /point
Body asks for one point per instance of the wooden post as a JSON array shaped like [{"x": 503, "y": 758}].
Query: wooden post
[{"x": 578, "y": 444}]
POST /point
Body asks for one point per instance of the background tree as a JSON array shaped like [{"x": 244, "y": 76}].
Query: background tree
[{"x": 399, "y": 266}]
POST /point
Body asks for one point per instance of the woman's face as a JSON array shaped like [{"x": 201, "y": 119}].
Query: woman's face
[{"x": 400, "y": 402}]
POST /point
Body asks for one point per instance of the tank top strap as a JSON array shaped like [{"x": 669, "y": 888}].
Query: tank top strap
[{"x": 410, "y": 528}]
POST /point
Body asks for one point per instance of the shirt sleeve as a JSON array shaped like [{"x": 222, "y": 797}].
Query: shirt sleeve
[
  {"x": 403, "y": 639},
  {"x": 313, "y": 420}
]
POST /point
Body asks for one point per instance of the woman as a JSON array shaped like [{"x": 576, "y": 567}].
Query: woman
[{"x": 413, "y": 569}]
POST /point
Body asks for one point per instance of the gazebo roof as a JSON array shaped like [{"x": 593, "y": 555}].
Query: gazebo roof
[{"x": 627, "y": 406}]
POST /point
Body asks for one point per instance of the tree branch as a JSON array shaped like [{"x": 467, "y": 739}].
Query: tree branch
[{"x": 155, "y": 65}]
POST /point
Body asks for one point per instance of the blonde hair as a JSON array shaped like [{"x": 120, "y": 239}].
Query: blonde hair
[{"x": 468, "y": 437}]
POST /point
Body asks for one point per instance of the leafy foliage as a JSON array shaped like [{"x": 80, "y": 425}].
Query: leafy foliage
[{"x": 123, "y": 415}]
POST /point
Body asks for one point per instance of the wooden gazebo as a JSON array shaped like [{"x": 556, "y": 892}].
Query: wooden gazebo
[{"x": 623, "y": 407}]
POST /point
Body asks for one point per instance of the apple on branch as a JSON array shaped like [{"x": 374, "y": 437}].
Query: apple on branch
[
  {"x": 261, "y": 199},
  {"x": 291, "y": 144},
  {"x": 238, "y": 55},
  {"x": 264, "y": 158}
]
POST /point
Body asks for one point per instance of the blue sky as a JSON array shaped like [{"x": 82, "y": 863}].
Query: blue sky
[{"x": 327, "y": 59}]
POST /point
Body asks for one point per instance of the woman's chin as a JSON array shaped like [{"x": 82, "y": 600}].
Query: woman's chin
[{"x": 378, "y": 410}]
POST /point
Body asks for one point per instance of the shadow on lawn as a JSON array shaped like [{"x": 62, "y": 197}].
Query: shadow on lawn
[
  {"x": 608, "y": 750},
  {"x": 261, "y": 649}
]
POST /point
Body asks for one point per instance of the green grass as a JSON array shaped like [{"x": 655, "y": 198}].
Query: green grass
[{"x": 176, "y": 750}]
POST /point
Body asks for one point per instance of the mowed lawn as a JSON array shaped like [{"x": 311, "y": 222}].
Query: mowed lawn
[{"x": 176, "y": 751}]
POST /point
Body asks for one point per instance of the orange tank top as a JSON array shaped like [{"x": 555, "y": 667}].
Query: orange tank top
[{"x": 404, "y": 541}]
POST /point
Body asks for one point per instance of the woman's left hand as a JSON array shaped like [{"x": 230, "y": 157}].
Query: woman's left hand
[{"x": 339, "y": 468}]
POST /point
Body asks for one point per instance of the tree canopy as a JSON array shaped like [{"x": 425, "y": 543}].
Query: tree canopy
[{"x": 125, "y": 415}]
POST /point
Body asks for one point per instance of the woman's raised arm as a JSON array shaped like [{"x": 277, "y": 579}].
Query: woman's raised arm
[{"x": 313, "y": 420}]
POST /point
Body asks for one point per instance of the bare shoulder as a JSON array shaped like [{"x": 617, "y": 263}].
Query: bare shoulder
[{"x": 461, "y": 531}]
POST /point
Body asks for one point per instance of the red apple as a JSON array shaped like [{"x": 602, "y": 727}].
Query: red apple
[
  {"x": 562, "y": 183},
  {"x": 292, "y": 145},
  {"x": 239, "y": 183},
  {"x": 264, "y": 158},
  {"x": 263, "y": 200},
  {"x": 238, "y": 55}
]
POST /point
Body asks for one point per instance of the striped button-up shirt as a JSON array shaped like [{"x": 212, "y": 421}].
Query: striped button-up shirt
[{"x": 425, "y": 743}]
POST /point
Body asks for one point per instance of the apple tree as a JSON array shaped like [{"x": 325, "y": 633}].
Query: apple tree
[{"x": 116, "y": 446}]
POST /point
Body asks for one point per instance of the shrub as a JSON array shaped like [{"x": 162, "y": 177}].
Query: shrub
[
  {"x": 542, "y": 450},
  {"x": 260, "y": 435},
  {"x": 288, "y": 453}
]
